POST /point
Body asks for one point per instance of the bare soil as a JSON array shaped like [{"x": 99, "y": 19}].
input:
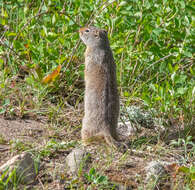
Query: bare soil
[
  {"x": 127, "y": 169},
  {"x": 27, "y": 131}
]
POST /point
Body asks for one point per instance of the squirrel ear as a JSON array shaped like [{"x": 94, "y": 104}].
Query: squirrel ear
[
  {"x": 104, "y": 33},
  {"x": 96, "y": 33}
]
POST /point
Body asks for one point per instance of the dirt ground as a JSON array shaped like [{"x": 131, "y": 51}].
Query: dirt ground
[
  {"x": 27, "y": 131},
  {"x": 128, "y": 169}
]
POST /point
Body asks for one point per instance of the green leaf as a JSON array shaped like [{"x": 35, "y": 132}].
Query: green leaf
[
  {"x": 10, "y": 34},
  {"x": 180, "y": 79},
  {"x": 187, "y": 54},
  {"x": 92, "y": 171},
  {"x": 6, "y": 102},
  {"x": 182, "y": 3},
  {"x": 1, "y": 61},
  {"x": 181, "y": 90},
  {"x": 157, "y": 31},
  {"x": 4, "y": 13},
  {"x": 54, "y": 19},
  {"x": 184, "y": 169},
  {"x": 122, "y": 3},
  {"x": 45, "y": 30},
  {"x": 2, "y": 110},
  {"x": 101, "y": 179},
  {"x": 44, "y": 8},
  {"x": 192, "y": 176},
  {"x": 3, "y": 21},
  {"x": 192, "y": 169},
  {"x": 119, "y": 50},
  {"x": 170, "y": 67},
  {"x": 126, "y": 94}
]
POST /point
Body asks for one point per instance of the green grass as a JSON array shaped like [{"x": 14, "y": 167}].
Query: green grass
[{"x": 154, "y": 52}]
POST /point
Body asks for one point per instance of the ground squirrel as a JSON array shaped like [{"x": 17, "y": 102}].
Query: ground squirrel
[{"x": 101, "y": 101}]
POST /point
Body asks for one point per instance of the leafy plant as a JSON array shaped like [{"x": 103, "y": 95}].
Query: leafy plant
[
  {"x": 10, "y": 181},
  {"x": 19, "y": 145},
  {"x": 154, "y": 52},
  {"x": 95, "y": 178},
  {"x": 52, "y": 146},
  {"x": 52, "y": 76},
  {"x": 189, "y": 172},
  {"x": 187, "y": 144}
]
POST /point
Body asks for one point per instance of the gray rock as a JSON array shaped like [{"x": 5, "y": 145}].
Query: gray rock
[
  {"x": 156, "y": 175},
  {"x": 124, "y": 187},
  {"x": 26, "y": 169},
  {"x": 126, "y": 129},
  {"x": 77, "y": 159},
  {"x": 155, "y": 169},
  {"x": 140, "y": 118}
]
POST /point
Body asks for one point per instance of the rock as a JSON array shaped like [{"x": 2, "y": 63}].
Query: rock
[
  {"x": 126, "y": 129},
  {"x": 155, "y": 169},
  {"x": 77, "y": 159},
  {"x": 138, "y": 117},
  {"x": 124, "y": 187},
  {"x": 26, "y": 168},
  {"x": 156, "y": 174}
]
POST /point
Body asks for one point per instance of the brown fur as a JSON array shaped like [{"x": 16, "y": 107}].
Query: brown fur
[{"x": 101, "y": 95}]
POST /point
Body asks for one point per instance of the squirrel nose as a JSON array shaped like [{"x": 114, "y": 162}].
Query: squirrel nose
[{"x": 79, "y": 31}]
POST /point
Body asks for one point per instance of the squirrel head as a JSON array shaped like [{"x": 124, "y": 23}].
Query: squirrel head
[{"x": 94, "y": 37}]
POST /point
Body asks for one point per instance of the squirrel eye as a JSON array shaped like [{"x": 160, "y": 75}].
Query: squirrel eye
[{"x": 87, "y": 30}]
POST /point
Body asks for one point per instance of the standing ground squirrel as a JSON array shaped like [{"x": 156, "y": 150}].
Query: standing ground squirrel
[{"x": 101, "y": 94}]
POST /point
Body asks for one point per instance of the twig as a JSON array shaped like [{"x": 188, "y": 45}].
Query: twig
[
  {"x": 40, "y": 183},
  {"x": 63, "y": 12},
  {"x": 72, "y": 54},
  {"x": 150, "y": 79},
  {"x": 29, "y": 21},
  {"x": 90, "y": 20},
  {"x": 161, "y": 59},
  {"x": 121, "y": 60},
  {"x": 134, "y": 67},
  {"x": 11, "y": 49},
  {"x": 4, "y": 149},
  {"x": 136, "y": 36},
  {"x": 2, "y": 36},
  {"x": 92, "y": 17}
]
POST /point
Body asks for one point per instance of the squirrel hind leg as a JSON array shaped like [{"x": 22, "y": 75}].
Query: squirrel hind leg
[
  {"x": 92, "y": 140},
  {"x": 121, "y": 147}
]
